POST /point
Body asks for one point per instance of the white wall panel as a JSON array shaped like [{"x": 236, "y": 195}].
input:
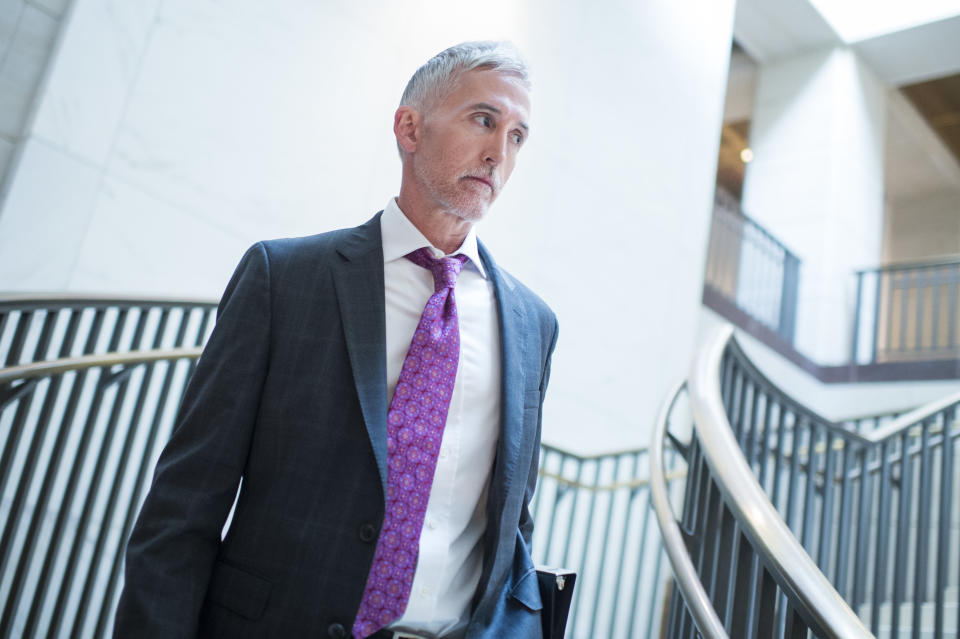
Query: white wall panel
[{"x": 206, "y": 126}]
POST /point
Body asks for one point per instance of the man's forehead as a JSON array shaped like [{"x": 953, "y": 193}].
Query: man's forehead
[{"x": 498, "y": 91}]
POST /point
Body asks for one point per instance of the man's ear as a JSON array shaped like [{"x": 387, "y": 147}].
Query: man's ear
[{"x": 406, "y": 126}]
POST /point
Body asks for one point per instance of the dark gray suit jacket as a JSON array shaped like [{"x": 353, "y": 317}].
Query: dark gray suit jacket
[{"x": 290, "y": 395}]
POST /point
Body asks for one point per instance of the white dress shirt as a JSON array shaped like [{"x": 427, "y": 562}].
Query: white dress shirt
[{"x": 451, "y": 544}]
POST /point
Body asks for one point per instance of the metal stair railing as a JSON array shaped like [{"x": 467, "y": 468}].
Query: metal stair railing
[
  {"x": 907, "y": 312},
  {"x": 876, "y": 510},
  {"x": 740, "y": 570},
  {"x": 592, "y": 515},
  {"x": 81, "y": 437},
  {"x": 89, "y": 390}
]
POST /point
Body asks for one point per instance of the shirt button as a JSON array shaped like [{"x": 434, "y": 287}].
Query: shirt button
[
  {"x": 432, "y": 524},
  {"x": 425, "y": 592},
  {"x": 336, "y": 631},
  {"x": 443, "y": 453}
]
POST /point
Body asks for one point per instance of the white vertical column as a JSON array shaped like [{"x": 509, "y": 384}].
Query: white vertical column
[{"x": 816, "y": 182}]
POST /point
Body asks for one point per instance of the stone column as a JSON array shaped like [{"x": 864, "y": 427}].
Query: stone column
[{"x": 816, "y": 182}]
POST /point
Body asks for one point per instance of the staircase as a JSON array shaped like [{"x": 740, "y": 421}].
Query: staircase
[
  {"x": 789, "y": 526},
  {"x": 790, "y": 523}
]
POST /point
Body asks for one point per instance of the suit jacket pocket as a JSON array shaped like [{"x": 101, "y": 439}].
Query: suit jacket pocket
[
  {"x": 239, "y": 591},
  {"x": 527, "y": 590}
]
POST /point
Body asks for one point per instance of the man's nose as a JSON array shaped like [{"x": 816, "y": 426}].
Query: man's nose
[{"x": 496, "y": 150}]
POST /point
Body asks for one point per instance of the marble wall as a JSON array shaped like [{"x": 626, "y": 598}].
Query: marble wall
[
  {"x": 816, "y": 183},
  {"x": 171, "y": 134},
  {"x": 28, "y": 36}
]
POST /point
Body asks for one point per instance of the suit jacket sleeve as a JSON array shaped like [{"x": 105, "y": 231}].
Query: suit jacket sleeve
[
  {"x": 526, "y": 519},
  {"x": 175, "y": 541}
]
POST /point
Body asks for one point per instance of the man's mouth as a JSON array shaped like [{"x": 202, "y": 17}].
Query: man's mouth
[{"x": 483, "y": 180}]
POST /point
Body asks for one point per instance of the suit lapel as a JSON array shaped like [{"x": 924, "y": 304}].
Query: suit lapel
[
  {"x": 358, "y": 279},
  {"x": 506, "y": 480}
]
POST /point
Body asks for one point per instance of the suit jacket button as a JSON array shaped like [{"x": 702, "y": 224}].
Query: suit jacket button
[
  {"x": 368, "y": 533},
  {"x": 337, "y": 631}
]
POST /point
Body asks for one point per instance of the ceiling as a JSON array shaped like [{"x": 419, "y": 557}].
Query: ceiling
[{"x": 938, "y": 101}]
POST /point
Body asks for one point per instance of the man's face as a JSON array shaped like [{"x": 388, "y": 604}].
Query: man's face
[{"x": 469, "y": 142}]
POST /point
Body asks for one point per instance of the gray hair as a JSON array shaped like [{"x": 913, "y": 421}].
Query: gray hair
[{"x": 439, "y": 75}]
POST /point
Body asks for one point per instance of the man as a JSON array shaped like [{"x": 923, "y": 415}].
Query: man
[{"x": 378, "y": 390}]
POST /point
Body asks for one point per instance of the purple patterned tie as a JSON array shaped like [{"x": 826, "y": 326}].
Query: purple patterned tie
[{"x": 415, "y": 421}]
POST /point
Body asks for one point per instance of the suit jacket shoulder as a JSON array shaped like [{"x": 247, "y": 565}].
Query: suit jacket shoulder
[{"x": 321, "y": 249}]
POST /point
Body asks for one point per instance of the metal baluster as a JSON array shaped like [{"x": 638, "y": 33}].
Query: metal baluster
[
  {"x": 657, "y": 586},
  {"x": 740, "y": 607},
  {"x": 846, "y": 506},
  {"x": 876, "y": 316},
  {"x": 826, "y": 517},
  {"x": 923, "y": 527},
  {"x": 953, "y": 283},
  {"x": 778, "y": 466},
  {"x": 792, "y": 487},
  {"x": 724, "y": 576},
  {"x": 855, "y": 342},
  {"x": 573, "y": 513},
  {"x": 623, "y": 544},
  {"x": 19, "y": 337},
  {"x": 903, "y": 530},
  {"x": 558, "y": 495},
  {"x": 918, "y": 339},
  {"x": 765, "y": 444},
  {"x": 946, "y": 514},
  {"x": 904, "y": 302},
  {"x": 708, "y": 494},
  {"x": 891, "y": 278},
  {"x": 810, "y": 492},
  {"x": 750, "y": 445},
  {"x": 766, "y": 606},
  {"x": 883, "y": 536},
  {"x": 577, "y": 592},
  {"x": 603, "y": 550},
  {"x": 738, "y": 418},
  {"x": 863, "y": 527},
  {"x": 634, "y": 605},
  {"x": 935, "y": 327},
  {"x": 796, "y": 626}
]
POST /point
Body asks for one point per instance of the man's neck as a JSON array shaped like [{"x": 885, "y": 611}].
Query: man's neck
[{"x": 444, "y": 230}]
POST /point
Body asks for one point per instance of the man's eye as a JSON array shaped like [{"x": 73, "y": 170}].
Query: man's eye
[
  {"x": 485, "y": 120},
  {"x": 517, "y": 138}
]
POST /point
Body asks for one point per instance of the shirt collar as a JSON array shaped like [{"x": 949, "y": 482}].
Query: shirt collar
[{"x": 400, "y": 237}]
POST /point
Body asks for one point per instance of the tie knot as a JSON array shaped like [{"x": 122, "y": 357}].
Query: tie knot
[{"x": 445, "y": 269}]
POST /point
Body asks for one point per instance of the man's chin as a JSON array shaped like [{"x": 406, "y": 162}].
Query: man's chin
[{"x": 471, "y": 213}]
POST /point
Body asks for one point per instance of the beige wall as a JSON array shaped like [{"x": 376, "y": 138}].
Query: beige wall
[{"x": 922, "y": 228}]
